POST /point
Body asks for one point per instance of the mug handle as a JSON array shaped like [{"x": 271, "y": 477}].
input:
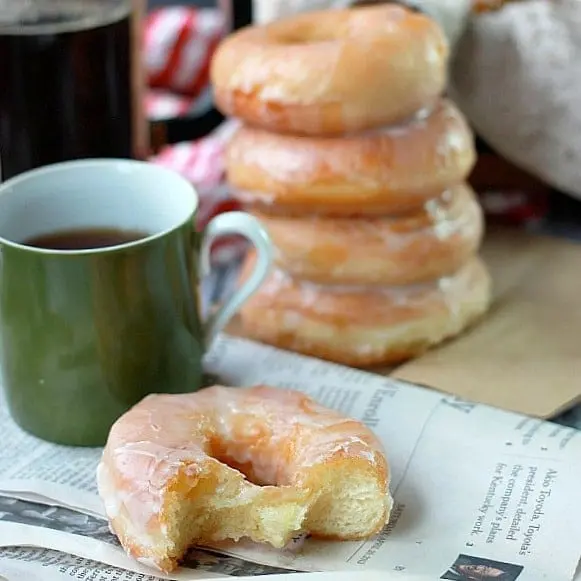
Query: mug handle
[{"x": 248, "y": 226}]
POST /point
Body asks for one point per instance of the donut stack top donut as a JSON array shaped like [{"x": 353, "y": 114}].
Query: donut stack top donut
[{"x": 332, "y": 72}]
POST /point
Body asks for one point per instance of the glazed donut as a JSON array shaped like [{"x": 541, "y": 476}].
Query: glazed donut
[
  {"x": 331, "y": 72},
  {"x": 229, "y": 463},
  {"x": 388, "y": 171},
  {"x": 359, "y": 326},
  {"x": 431, "y": 243}
]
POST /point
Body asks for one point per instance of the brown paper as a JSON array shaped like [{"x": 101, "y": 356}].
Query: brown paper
[{"x": 525, "y": 355}]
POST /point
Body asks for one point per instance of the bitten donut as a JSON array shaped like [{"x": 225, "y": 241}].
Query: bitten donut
[
  {"x": 360, "y": 326},
  {"x": 425, "y": 245},
  {"x": 228, "y": 463},
  {"x": 391, "y": 170},
  {"x": 332, "y": 72}
]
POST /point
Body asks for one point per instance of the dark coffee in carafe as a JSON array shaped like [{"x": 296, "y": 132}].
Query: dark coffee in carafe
[{"x": 66, "y": 82}]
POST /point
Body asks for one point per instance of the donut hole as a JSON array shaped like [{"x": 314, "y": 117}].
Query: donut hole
[
  {"x": 306, "y": 34},
  {"x": 220, "y": 453},
  {"x": 296, "y": 39}
]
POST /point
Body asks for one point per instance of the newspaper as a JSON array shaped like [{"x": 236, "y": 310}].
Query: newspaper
[
  {"x": 477, "y": 490},
  {"x": 46, "y": 565}
]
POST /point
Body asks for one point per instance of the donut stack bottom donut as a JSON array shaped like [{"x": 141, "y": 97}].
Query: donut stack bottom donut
[
  {"x": 173, "y": 472},
  {"x": 365, "y": 326}
]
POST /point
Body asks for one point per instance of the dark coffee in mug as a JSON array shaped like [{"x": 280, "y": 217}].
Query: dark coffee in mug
[{"x": 85, "y": 238}]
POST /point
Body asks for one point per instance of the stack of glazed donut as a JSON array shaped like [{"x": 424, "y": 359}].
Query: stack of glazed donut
[{"x": 356, "y": 165}]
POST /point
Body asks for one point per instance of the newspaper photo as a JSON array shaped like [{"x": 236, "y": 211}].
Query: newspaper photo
[
  {"x": 25, "y": 523},
  {"x": 479, "y": 493}
]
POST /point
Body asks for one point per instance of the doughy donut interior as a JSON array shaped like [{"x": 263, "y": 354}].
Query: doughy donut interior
[
  {"x": 259, "y": 463},
  {"x": 217, "y": 507}
]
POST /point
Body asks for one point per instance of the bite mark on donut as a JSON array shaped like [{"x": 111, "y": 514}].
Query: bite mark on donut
[{"x": 259, "y": 463}]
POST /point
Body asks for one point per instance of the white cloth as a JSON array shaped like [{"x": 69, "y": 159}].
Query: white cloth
[
  {"x": 517, "y": 77},
  {"x": 268, "y": 10},
  {"x": 450, "y": 13}
]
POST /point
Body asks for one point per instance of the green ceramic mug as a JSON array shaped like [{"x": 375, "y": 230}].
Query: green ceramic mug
[{"x": 86, "y": 333}]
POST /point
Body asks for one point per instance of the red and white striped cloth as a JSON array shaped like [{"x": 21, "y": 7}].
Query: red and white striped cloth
[
  {"x": 514, "y": 207},
  {"x": 179, "y": 44},
  {"x": 202, "y": 162}
]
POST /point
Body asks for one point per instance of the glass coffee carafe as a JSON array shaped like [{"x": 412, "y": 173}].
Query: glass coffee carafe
[{"x": 70, "y": 82}]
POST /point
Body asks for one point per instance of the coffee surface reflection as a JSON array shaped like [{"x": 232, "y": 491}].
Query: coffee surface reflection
[{"x": 85, "y": 238}]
